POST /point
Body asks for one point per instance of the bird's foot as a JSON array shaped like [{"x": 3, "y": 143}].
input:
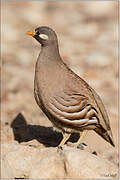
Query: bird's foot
[
  {"x": 60, "y": 148},
  {"x": 76, "y": 145},
  {"x": 81, "y": 146}
]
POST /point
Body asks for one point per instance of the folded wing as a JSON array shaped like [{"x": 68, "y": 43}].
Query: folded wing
[{"x": 73, "y": 109}]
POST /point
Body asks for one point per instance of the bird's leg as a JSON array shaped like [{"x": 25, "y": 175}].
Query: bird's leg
[
  {"x": 65, "y": 138},
  {"x": 79, "y": 144},
  {"x": 81, "y": 136}
]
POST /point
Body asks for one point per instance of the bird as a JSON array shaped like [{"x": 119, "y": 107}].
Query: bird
[{"x": 68, "y": 101}]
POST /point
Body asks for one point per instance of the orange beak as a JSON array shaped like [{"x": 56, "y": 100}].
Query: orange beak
[{"x": 31, "y": 33}]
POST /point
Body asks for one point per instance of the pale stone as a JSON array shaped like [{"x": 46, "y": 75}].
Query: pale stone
[
  {"x": 69, "y": 162},
  {"x": 6, "y": 170}
]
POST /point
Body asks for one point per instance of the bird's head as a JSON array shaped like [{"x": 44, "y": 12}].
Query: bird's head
[{"x": 44, "y": 35}]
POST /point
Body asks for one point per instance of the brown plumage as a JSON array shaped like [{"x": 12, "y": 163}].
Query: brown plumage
[{"x": 66, "y": 99}]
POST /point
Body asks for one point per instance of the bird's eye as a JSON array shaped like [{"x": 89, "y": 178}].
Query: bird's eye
[
  {"x": 43, "y": 36},
  {"x": 37, "y": 33}
]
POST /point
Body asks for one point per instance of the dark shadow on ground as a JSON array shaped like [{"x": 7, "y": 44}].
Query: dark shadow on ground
[{"x": 24, "y": 132}]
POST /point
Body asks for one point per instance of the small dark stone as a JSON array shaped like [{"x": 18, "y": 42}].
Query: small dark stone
[{"x": 94, "y": 152}]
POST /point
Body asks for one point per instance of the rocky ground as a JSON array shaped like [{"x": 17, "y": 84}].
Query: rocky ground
[{"x": 88, "y": 40}]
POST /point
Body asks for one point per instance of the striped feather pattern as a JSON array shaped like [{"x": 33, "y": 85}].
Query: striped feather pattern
[{"x": 73, "y": 109}]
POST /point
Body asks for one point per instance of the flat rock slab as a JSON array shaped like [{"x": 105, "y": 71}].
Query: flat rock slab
[{"x": 26, "y": 161}]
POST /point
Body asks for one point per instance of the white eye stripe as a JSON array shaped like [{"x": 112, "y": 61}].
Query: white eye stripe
[{"x": 43, "y": 36}]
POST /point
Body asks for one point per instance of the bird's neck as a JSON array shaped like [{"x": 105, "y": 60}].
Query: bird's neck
[
  {"x": 48, "y": 65},
  {"x": 49, "y": 59},
  {"x": 49, "y": 52}
]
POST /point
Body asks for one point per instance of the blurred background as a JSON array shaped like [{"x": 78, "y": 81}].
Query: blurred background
[{"x": 88, "y": 41}]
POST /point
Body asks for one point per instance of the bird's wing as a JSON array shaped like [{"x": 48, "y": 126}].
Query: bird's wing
[
  {"x": 105, "y": 120},
  {"x": 103, "y": 129},
  {"x": 73, "y": 109}
]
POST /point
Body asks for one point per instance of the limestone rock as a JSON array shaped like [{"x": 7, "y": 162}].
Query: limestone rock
[
  {"x": 6, "y": 170},
  {"x": 24, "y": 161}
]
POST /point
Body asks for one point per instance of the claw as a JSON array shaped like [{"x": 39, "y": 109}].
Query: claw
[{"x": 81, "y": 146}]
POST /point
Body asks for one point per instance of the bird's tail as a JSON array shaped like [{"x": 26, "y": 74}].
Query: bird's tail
[{"x": 107, "y": 135}]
